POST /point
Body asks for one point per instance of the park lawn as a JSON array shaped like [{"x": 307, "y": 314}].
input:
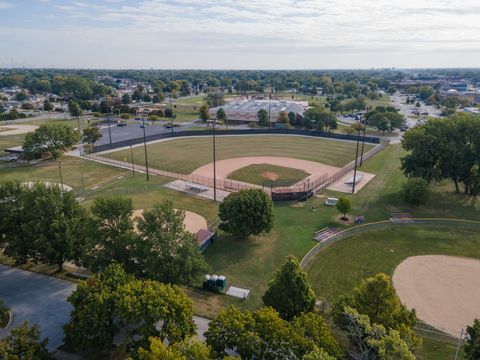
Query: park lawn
[
  {"x": 269, "y": 175},
  {"x": 72, "y": 170},
  {"x": 188, "y": 100},
  {"x": 7, "y": 141},
  {"x": 145, "y": 194},
  {"x": 187, "y": 154}
]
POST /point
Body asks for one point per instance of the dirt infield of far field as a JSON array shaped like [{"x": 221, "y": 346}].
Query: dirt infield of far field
[
  {"x": 228, "y": 166},
  {"x": 193, "y": 222},
  {"x": 16, "y": 129},
  {"x": 444, "y": 290}
]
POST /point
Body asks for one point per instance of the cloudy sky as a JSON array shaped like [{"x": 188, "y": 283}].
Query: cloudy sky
[{"x": 240, "y": 34}]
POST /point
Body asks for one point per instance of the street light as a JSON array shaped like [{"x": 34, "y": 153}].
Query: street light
[
  {"x": 356, "y": 162},
  {"x": 144, "y": 112},
  {"x": 171, "y": 114}
]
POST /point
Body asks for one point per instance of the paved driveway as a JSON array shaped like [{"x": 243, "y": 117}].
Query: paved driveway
[{"x": 39, "y": 299}]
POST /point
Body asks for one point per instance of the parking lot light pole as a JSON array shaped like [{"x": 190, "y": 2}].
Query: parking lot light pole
[{"x": 145, "y": 143}]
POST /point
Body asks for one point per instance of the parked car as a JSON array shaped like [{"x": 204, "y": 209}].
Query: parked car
[{"x": 13, "y": 158}]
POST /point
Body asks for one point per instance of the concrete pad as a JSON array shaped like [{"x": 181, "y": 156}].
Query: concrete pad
[
  {"x": 180, "y": 185},
  {"x": 341, "y": 185}
]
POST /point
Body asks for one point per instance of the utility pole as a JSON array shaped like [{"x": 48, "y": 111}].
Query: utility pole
[
  {"x": 145, "y": 143},
  {"x": 171, "y": 112},
  {"x": 269, "y": 107},
  {"x": 356, "y": 162},
  {"x": 108, "y": 121}
]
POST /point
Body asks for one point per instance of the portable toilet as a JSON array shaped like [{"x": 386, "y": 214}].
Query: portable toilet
[{"x": 222, "y": 282}]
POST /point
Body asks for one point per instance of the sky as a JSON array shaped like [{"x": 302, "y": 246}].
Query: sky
[{"x": 239, "y": 34}]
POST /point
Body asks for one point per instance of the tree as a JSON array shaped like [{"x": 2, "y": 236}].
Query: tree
[
  {"x": 3, "y": 310},
  {"x": 92, "y": 324},
  {"x": 262, "y": 116},
  {"x": 167, "y": 252},
  {"x": 344, "y": 206},
  {"x": 376, "y": 298},
  {"x": 415, "y": 191},
  {"x": 472, "y": 345},
  {"x": 222, "y": 116},
  {"x": 24, "y": 343},
  {"x": 155, "y": 309},
  {"x": 283, "y": 117},
  {"x": 292, "y": 118},
  {"x": 289, "y": 292},
  {"x": 203, "y": 112},
  {"x": 254, "y": 335},
  {"x": 313, "y": 328},
  {"x": 112, "y": 237},
  {"x": 47, "y": 105},
  {"x": 417, "y": 104},
  {"x": 185, "y": 350},
  {"x": 372, "y": 341},
  {"x": 215, "y": 99},
  {"x": 113, "y": 301},
  {"x": 318, "y": 354},
  {"x": 21, "y": 96},
  {"x": 75, "y": 111},
  {"x": 91, "y": 135},
  {"x": 246, "y": 212},
  {"x": 57, "y": 227},
  {"x": 50, "y": 139},
  {"x": 126, "y": 99}
]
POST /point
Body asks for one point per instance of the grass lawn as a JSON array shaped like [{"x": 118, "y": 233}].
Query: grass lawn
[
  {"x": 7, "y": 141},
  {"x": 72, "y": 169},
  {"x": 186, "y": 155},
  {"x": 269, "y": 175}
]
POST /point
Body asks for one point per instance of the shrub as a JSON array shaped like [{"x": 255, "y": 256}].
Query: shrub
[{"x": 415, "y": 191}]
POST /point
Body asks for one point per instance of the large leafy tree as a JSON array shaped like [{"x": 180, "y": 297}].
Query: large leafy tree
[
  {"x": 57, "y": 228},
  {"x": 144, "y": 304},
  {"x": 112, "y": 237},
  {"x": 24, "y": 343},
  {"x": 113, "y": 301},
  {"x": 246, "y": 212},
  {"x": 40, "y": 223},
  {"x": 472, "y": 345},
  {"x": 372, "y": 341},
  {"x": 52, "y": 140},
  {"x": 222, "y": 116},
  {"x": 376, "y": 298},
  {"x": 167, "y": 251},
  {"x": 289, "y": 292}
]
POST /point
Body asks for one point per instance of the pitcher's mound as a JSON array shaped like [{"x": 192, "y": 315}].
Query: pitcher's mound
[{"x": 444, "y": 290}]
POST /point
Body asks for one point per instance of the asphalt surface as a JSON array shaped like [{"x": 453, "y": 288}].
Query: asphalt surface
[
  {"x": 39, "y": 299},
  {"x": 134, "y": 131}
]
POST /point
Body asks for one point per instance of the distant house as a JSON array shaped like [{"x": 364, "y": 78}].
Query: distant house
[{"x": 246, "y": 110}]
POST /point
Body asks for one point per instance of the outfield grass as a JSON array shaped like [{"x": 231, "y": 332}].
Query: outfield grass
[
  {"x": 72, "y": 170},
  {"x": 269, "y": 175},
  {"x": 187, "y": 154},
  {"x": 367, "y": 254}
]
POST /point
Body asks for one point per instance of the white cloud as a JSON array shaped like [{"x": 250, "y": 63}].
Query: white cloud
[
  {"x": 274, "y": 33},
  {"x": 6, "y": 5}
]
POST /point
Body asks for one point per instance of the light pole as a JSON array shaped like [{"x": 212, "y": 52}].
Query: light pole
[
  {"x": 214, "y": 164},
  {"x": 356, "y": 163},
  {"x": 145, "y": 142},
  {"x": 364, "y": 131},
  {"x": 108, "y": 121},
  {"x": 171, "y": 114},
  {"x": 269, "y": 108}
]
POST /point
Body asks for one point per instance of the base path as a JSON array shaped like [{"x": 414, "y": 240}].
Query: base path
[
  {"x": 228, "y": 166},
  {"x": 16, "y": 129},
  {"x": 444, "y": 290}
]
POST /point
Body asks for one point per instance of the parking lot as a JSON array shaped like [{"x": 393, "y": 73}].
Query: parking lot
[{"x": 39, "y": 299}]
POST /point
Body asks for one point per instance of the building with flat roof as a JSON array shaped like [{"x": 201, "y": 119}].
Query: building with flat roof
[{"x": 246, "y": 110}]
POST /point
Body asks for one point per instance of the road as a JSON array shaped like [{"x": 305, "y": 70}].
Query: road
[{"x": 39, "y": 299}]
